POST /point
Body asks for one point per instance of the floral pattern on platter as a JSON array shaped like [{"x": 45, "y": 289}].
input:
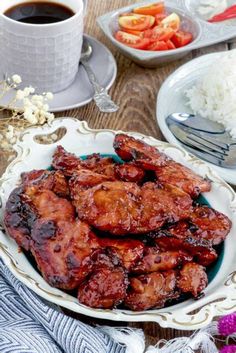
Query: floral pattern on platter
[{"x": 220, "y": 295}]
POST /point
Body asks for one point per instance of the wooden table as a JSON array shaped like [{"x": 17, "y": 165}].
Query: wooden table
[{"x": 135, "y": 90}]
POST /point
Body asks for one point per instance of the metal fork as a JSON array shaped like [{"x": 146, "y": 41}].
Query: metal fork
[
  {"x": 220, "y": 150},
  {"x": 220, "y": 143}
]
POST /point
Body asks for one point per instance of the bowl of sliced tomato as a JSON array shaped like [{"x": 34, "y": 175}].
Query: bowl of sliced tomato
[{"x": 151, "y": 33}]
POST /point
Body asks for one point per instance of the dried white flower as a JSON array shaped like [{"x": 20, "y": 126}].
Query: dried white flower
[
  {"x": 29, "y": 116},
  {"x": 45, "y": 107},
  {"x": 41, "y": 117},
  {"x": 39, "y": 104},
  {"x": 16, "y": 79},
  {"x": 35, "y": 110},
  {"x": 28, "y": 91},
  {"x": 27, "y": 103},
  {"x": 49, "y": 96},
  {"x": 20, "y": 94}
]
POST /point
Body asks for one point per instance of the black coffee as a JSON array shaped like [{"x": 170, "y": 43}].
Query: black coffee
[{"x": 39, "y": 12}]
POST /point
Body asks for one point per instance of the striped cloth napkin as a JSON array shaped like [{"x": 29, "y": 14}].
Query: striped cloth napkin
[{"x": 29, "y": 325}]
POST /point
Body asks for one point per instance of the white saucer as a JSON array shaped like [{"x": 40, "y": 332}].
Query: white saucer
[
  {"x": 171, "y": 99},
  {"x": 80, "y": 91}
]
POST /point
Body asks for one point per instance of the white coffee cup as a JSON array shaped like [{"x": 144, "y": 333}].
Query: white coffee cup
[{"x": 45, "y": 56}]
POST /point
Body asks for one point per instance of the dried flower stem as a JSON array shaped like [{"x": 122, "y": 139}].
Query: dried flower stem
[{"x": 34, "y": 111}]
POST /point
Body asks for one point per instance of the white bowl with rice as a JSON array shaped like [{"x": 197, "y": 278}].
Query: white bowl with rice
[{"x": 207, "y": 86}]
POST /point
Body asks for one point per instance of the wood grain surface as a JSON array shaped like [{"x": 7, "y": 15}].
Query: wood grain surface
[{"x": 135, "y": 90}]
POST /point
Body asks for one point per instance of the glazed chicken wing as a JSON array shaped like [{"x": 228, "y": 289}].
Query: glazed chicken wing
[
  {"x": 162, "y": 204},
  {"x": 121, "y": 207},
  {"x": 20, "y": 213},
  {"x": 62, "y": 251},
  {"x": 200, "y": 249},
  {"x": 109, "y": 206},
  {"x": 129, "y": 251},
  {"x": 129, "y": 172},
  {"x": 61, "y": 245},
  {"x": 193, "y": 279},
  {"x": 204, "y": 223},
  {"x": 176, "y": 174},
  {"x": 106, "y": 287},
  {"x": 151, "y": 290},
  {"x": 100, "y": 165},
  {"x": 49, "y": 206},
  {"x": 64, "y": 161},
  {"x": 85, "y": 179},
  {"x": 19, "y": 217},
  {"x": 68, "y": 163},
  {"x": 49, "y": 180},
  {"x": 167, "y": 170},
  {"x": 27, "y": 203},
  {"x": 211, "y": 224},
  {"x": 155, "y": 260},
  {"x": 130, "y": 149}
]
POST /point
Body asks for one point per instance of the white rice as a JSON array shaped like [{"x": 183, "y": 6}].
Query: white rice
[{"x": 214, "y": 96}]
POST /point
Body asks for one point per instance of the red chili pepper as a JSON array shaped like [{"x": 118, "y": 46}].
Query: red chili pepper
[{"x": 228, "y": 14}]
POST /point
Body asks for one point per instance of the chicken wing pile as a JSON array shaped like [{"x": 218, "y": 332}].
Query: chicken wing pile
[{"x": 125, "y": 234}]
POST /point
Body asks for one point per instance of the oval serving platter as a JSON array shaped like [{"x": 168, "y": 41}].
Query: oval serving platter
[
  {"x": 220, "y": 295},
  {"x": 204, "y": 33}
]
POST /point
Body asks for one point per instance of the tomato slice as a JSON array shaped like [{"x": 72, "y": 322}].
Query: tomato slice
[
  {"x": 151, "y": 9},
  {"x": 148, "y": 33},
  {"x": 159, "y": 33},
  {"x": 170, "y": 44},
  {"x": 157, "y": 46},
  {"x": 136, "y": 22},
  {"x": 159, "y": 17},
  {"x": 132, "y": 40},
  {"x": 181, "y": 38},
  {"x": 136, "y": 33},
  {"x": 171, "y": 21}
]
